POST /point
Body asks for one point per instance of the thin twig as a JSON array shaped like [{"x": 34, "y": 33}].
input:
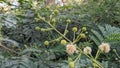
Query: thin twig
[{"x": 9, "y": 49}]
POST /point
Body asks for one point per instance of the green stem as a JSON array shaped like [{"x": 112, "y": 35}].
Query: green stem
[
  {"x": 77, "y": 57},
  {"x": 78, "y": 37},
  {"x": 73, "y": 36},
  {"x": 70, "y": 41},
  {"x": 59, "y": 38},
  {"x": 94, "y": 60},
  {"x": 98, "y": 63},
  {"x": 91, "y": 55},
  {"x": 56, "y": 30},
  {"x": 65, "y": 29},
  {"x": 63, "y": 35},
  {"x": 65, "y": 32},
  {"x": 9, "y": 49},
  {"x": 97, "y": 55},
  {"x": 117, "y": 54}
]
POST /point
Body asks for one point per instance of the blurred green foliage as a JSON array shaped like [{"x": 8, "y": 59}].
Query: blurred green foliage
[{"x": 22, "y": 25}]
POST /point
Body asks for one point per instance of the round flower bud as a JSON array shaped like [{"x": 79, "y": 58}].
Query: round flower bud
[
  {"x": 63, "y": 42},
  {"x": 84, "y": 29},
  {"x": 116, "y": 59},
  {"x": 82, "y": 35},
  {"x": 43, "y": 30},
  {"x": 37, "y": 28},
  {"x": 46, "y": 43},
  {"x": 42, "y": 18},
  {"x": 66, "y": 31},
  {"x": 114, "y": 50},
  {"x": 74, "y": 29},
  {"x": 71, "y": 64},
  {"x": 56, "y": 11},
  {"x": 68, "y": 21}
]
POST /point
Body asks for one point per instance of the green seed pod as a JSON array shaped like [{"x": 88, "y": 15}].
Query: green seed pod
[
  {"x": 82, "y": 35},
  {"x": 68, "y": 21},
  {"x": 37, "y": 28},
  {"x": 74, "y": 29},
  {"x": 84, "y": 29},
  {"x": 71, "y": 64},
  {"x": 63, "y": 42},
  {"x": 46, "y": 43}
]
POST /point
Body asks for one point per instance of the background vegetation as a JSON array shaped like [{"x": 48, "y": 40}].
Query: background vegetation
[{"x": 24, "y": 30}]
